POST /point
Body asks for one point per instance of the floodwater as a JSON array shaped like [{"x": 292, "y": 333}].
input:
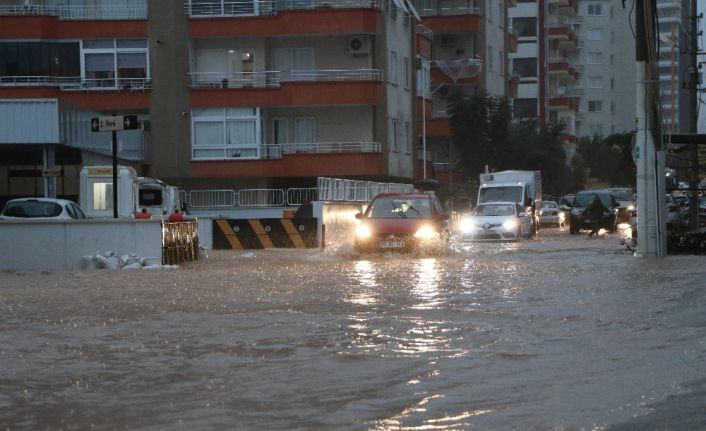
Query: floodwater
[{"x": 557, "y": 333}]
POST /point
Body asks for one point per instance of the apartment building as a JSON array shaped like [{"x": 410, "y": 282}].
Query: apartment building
[
  {"x": 469, "y": 51},
  {"x": 270, "y": 93},
  {"x": 608, "y": 69}
]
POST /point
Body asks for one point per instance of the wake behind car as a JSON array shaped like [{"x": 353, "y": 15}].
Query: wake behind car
[
  {"x": 496, "y": 221},
  {"x": 41, "y": 208},
  {"x": 402, "y": 222},
  {"x": 580, "y": 219}
]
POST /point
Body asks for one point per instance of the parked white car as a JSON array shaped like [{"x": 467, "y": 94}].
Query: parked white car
[
  {"x": 41, "y": 208},
  {"x": 496, "y": 221}
]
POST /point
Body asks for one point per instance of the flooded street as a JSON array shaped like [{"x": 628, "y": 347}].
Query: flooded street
[{"x": 561, "y": 333}]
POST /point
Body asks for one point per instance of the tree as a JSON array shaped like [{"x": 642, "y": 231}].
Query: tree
[{"x": 610, "y": 159}]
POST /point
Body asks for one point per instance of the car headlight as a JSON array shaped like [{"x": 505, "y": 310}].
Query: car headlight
[
  {"x": 630, "y": 208},
  {"x": 466, "y": 225},
  {"x": 510, "y": 224},
  {"x": 425, "y": 232},
  {"x": 363, "y": 232}
]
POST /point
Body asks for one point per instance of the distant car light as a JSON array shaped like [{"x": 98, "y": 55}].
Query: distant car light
[{"x": 425, "y": 232}]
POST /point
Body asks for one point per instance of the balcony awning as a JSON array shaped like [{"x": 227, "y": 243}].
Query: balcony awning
[{"x": 460, "y": 69}]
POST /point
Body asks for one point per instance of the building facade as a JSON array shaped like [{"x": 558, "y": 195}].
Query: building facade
[{"x": 229, "y": 94}]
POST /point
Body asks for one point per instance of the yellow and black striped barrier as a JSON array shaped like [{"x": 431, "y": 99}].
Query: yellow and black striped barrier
[{"x": 241, "y": 234}]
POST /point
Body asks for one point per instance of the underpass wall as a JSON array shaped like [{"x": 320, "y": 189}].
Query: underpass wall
[{"x": 61, "y": 244}]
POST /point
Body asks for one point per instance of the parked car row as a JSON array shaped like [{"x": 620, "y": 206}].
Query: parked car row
[{"x": 41, "y": 208}]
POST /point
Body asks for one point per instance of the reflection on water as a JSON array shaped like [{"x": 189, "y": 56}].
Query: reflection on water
[{"x": 426, "y": 284}]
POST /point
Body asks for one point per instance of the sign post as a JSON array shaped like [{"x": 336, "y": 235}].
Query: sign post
[{"x": 113, "y": 124}]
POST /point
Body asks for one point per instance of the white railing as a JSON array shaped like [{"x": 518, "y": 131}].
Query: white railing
[
  {"x": 332, "y": 147},
  {"x": 212, "y": 198},
  {"x": 300, "y": 196},
  {"x": 342, "y": 190},
  {"x": 79, "y": 12},
  {"x": 261, "y": 198},
  {"x": 425, "y": 31},
  {"x": 76, "y": 83},
  {"x": 225, "y": 8},
  {"x": 450, "y": 11},
  {"x": 272, "y": 78}
]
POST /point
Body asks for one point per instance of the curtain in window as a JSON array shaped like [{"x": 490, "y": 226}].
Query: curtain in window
[
  {"x": 241, "y": 133},
  {"x": 132, "y": 65}
]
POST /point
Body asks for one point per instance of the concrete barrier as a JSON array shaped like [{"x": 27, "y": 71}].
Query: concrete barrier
[{"x": 61, "y": 244}]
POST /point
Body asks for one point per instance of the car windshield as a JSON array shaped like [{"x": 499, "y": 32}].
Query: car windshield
[
  {"x": 400, "y": 208},
  {"x": 32, "y": 209},
  {"x": 494, "y": 210},
  {"x": 547, "y": 205},
  {"x": 622, "y": 194},
  {"x": 585, "y": 199},
  {"x": 501, "y": 194}
]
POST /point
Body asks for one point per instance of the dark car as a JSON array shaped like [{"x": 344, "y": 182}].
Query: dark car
[
  {"x": 580, "y": 219},
  {"x": 402, "y": 222}
]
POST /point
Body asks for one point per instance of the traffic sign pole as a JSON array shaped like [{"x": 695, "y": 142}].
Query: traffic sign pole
[{"x": 115, "y": 174}]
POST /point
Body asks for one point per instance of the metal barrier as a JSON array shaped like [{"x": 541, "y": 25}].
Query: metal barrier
[
  {"x": 180, "y": 242},
  {"x": 212, "y": 198},
  {"x": 261, "y": 198},
  {"x": 301, "y": 196}
]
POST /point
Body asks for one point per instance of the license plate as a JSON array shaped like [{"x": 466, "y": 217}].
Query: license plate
[{"x": 391, "y": 244}]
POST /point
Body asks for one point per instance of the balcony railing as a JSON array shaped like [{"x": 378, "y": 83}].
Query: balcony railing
[
  {"x": 425, "y": 31},
  {"x": 209, "y": 9},
  {"x": 278, "y": 151},
  {"x": 275, "y": 78},
  {"x": 78, "y": 12},
  {"x": 76, "y": 83},
  {"x": 450, "y": 11}
]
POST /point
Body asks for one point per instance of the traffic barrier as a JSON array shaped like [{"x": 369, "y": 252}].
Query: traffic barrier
[{"x": 240, "y": 234}]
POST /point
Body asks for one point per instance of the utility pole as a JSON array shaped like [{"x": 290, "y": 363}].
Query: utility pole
[
  {"x": 649, "y": 153},
  {"x": 693, "y": 170}
]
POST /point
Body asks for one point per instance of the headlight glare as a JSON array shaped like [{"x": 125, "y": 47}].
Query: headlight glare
[
  {"x": 466, "y": 225},
  {"x": 425, "y": 232},
  {"x": 363, "y": 232},
  {"x": 510, "y": 224}
]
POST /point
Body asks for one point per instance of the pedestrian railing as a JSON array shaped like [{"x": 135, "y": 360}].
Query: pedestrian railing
[
  {"x": 78, "y": 12},
  {"x": 225, "y": 8}
]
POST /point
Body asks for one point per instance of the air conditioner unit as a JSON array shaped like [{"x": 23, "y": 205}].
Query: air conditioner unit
[{"x": 359, "y": 45}]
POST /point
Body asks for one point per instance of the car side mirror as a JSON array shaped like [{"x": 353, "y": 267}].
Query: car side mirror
[
  {"x": 522, "y": 215},
  {"x": 359, "y": 216}
]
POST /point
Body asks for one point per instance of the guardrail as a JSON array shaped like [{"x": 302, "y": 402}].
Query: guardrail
[
  {"x": 450, "y": 11},
  {"x": 78, "y": 12},
  {"x": 76, "y": 83},
  {"x": 328, "y": 189},
  {"x": 269, "y": 7},
  {"x": 274, "y": 78}
]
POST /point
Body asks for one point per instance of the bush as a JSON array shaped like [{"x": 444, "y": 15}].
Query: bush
[{"x": 686, "y": 242}]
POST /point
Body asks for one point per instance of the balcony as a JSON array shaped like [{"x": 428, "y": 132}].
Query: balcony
[
  {"x": 563, "y": 104},
  {"x": 276, "y": 18},
  {"x": 561, "y": 67},
  {"x": 561, "y": 31},
  {"x": 73, "y": 22},
  {"x": 446, "y": 20},
  {"x": 513, "y": 85},
  {"x": 457, "y": 72},
  {"x": 300, "y": 160},
  {"x": 97, "y": 94},
  {"x": 277, "y": 88},
  {"x": 512, "y": 41}
]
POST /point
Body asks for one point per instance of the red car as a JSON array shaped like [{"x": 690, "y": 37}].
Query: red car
[{"x": 402, "y": 222}]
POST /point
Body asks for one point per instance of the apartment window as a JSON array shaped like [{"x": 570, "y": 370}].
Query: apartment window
[
  {"x": 423, "y": 77},
  {"x": 595, "y": 58},
  {"x": 524, "y": 108},
  {"x": 595, "y": 106},
  {"x": 407, "y": 72},
  {"x": 612, "y": 83},
  {"x": 525, "y": 27},
  {"x": 489, "y": 12},
  {"x": 501, "y": 62},
  {"x": 489, "y": 58},
  {"x": 612, "y": 59},
  {"x": 56, "y": 59},
  {"x": 225, "y": 133},
  {"x": 104, "y": 60},
  {"x": 595, "y": 82},
  {"x": 305, "y": 130},
  {"x": 612, "y": 107},
  {"x": 500, "y": 14},
  {"x": 392, "y": 9},
  {"x": 393, "y": 133},
  {"x": 407, "y": 137},
  {"x": 280, "y": 131},
  {"x": 594, "y": 9},
  {"x": 393, "y": 67},
  {"x": 595, "y": 33},
  {"x": 612, "y": 37},
  {"x": 525, "y": 67}
]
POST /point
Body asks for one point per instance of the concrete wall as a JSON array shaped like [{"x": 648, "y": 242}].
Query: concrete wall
[{"x": 35, "y": 244}]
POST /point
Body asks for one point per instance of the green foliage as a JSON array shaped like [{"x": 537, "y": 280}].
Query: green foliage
[
  {"x": 610, "y": 159},
  {"x": 484, "y": 133},
  {"x": 686, "y": 243}
]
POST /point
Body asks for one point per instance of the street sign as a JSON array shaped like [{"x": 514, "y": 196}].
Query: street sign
[
  {"x": 114, "y": 122},
  {"x": 51, "y": 172}
]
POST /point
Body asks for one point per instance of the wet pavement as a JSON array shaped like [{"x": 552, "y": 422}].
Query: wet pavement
[{"x": 562, "y": 332}]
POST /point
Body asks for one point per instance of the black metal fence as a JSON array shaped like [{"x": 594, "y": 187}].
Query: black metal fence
[{"x": 180, "y": 242}]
